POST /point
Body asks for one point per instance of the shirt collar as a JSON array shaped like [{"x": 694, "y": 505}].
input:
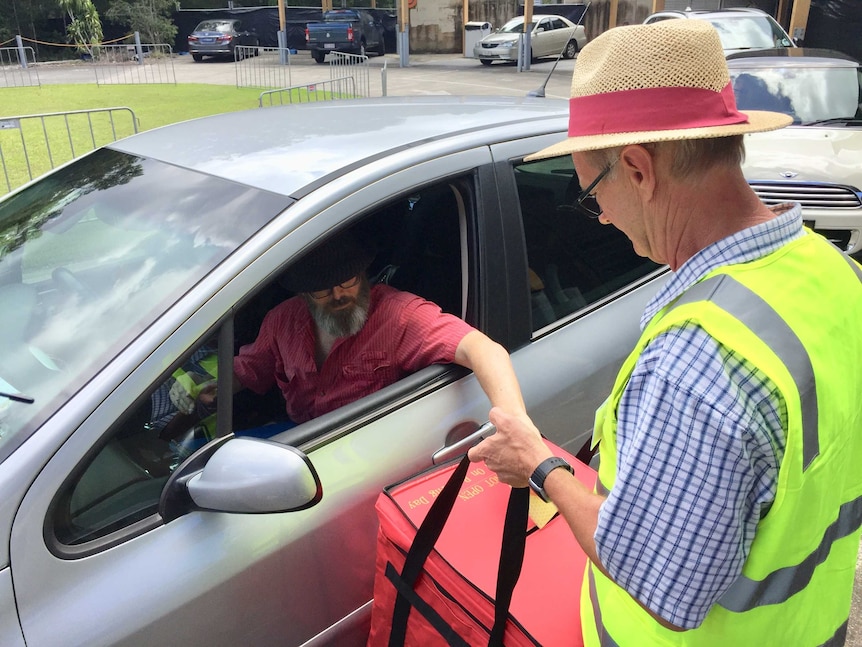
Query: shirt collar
[{"x": 743, "y": 246}]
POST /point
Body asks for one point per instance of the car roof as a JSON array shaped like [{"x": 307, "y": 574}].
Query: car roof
[
  {"x": 791, "y": 56},
  {"x": 731, "y": 12},
  {"x": 291, "y": 149}
]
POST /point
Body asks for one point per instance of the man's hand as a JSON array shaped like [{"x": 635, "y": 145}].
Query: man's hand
[{"x": 514, "y": 451}]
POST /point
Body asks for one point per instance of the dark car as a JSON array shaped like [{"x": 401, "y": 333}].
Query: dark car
[{"x": 221, "y": 37}]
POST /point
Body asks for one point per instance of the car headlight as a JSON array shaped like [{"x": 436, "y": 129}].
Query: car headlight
[{"x": 508, "y": 43}]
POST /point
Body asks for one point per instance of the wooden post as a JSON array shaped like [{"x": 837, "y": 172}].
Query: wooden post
[
  {"x": 799, "y": 19},
  {"x": 281, "y": 23},
  {"x": 612, "y": 16},
  {"x": 657, "y": 5}
]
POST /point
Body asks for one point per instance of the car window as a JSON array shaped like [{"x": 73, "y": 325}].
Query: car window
[
  {"x": 574, "y": 261},
  {"x": 748, "y": 32},
  {"x": 123, "y": 482},
  {"x": 110, "y": 237},
  {"x": 420, "y": 239},
  {"x": 808, "y": 94}
]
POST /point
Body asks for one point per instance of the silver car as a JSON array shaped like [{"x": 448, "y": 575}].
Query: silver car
[
  {"x": 149, "y": 261},
  {"x": 550, "y": 36}
]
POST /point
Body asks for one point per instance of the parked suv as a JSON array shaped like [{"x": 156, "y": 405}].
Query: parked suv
[{"x": 738, "y": 28}]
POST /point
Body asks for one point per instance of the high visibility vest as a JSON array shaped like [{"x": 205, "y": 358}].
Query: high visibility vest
[{"x": 805, "y": 334}]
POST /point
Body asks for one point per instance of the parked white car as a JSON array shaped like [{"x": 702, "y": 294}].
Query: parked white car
[
  {"x": 549, "y": 36},
  {"x": 815, "y": 161}
]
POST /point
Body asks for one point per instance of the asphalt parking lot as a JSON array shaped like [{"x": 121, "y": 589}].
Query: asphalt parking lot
[{"x": 426, "y": 74}]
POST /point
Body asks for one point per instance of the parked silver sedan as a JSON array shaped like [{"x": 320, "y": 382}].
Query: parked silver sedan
[
  {"x": 155, "y": 257},
  {"x": 550, "y": 35}
]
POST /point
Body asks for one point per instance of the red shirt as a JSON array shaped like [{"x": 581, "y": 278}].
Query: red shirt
[{"x": 403, "y": 334}]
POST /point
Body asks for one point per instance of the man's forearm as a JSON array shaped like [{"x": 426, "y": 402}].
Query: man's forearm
[{"x": 492, "y": 366}]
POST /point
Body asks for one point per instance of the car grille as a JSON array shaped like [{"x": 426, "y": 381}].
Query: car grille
[{"x": 809, "y": 194}]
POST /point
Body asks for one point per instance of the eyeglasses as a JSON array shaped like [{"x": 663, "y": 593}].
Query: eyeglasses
[
  {"x": 587, "y": 201},
  {"x": 349, "y": 283}
]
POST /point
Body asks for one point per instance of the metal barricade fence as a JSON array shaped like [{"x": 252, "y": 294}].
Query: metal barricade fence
[
  {"x": 344, "y": 88},
  {"x": 122, "y": 64},
  {"x": 31, "y": 145},
  {"x": 342, "y": 65},
  {"x": 262, "y": 67},
  {"x": 14, "y": 72}
]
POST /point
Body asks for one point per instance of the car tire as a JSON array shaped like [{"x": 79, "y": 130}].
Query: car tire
[
  {"x": 571, "y": 49},
  {"x": 485, "y": 62},
  {"x": 197, "y": 58},
  {"x": 318, "y": 56}
]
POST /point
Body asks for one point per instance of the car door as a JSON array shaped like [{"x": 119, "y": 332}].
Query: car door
[
  {"x": 197, "y": 577},
  {"x": 581, "y": 297}
]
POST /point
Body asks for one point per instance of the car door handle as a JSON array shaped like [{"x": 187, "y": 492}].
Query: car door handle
[{"x": 460, "y": 447}]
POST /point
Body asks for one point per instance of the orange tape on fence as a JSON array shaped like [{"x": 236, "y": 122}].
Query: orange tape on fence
[{"x": 42, "y": 42}]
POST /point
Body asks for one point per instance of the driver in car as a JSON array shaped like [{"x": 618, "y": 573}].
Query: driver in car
[{"x": 342, "y": 338}]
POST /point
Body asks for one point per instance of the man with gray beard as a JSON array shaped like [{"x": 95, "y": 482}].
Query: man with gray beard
[{"x": 342, "y": 338}]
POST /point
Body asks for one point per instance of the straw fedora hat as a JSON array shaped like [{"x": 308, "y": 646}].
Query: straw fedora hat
[{"x": 650, "y": 83}]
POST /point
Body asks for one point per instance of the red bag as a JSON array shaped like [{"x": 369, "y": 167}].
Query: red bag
[{"x": 456, "y": 569}]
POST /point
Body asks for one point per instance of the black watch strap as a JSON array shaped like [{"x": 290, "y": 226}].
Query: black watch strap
[{"x": 537, "y": 480}]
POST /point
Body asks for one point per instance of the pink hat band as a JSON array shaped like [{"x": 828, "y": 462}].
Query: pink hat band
[{"x": 652, "y": 109}]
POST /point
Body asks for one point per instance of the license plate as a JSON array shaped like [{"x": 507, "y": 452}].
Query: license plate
[
  {"x": 328, "y": 45},
  {"x": 207, "y": 40}
]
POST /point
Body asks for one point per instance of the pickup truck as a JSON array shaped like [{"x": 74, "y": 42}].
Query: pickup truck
[{"x": 355, "y": 31}]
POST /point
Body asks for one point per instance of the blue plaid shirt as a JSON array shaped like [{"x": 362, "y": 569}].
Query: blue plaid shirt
[{"x": 700, "y": 437}]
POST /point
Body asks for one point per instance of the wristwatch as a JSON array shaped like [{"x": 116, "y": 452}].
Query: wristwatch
[{"x": 537, "y": 480}]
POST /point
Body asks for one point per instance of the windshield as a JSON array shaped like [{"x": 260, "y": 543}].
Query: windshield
[
  {"x": 807, "y": 94},
  {"x": 90, "y": 256},
  {"x": 214, "y": 25},
  {"x": 749, "y": 32},
  {"x": 516, "y": 25}
]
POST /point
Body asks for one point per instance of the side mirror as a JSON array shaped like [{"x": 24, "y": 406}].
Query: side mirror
[
  {"x": 252, "y": 476},
  {"x": 242, "y": 475}
]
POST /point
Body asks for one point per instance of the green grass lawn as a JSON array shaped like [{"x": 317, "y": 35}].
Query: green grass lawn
[{"x": 50, "y": 142}]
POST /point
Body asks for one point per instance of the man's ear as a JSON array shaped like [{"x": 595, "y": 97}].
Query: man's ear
[{"x": 639, "y": 166}]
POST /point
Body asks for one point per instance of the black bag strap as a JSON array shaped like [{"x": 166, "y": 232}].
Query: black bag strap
[{"x": 511, "y": 554}]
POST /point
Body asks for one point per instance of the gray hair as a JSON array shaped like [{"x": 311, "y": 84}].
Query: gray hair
[{"x": 691, "y": 157}]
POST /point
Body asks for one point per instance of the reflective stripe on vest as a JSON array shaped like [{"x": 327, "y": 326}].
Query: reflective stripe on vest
[{"x": 747, "y": 306}]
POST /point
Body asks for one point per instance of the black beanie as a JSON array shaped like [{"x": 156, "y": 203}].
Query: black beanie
[{"x": 337, "y": 260}]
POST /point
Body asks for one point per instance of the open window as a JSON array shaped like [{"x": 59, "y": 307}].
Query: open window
[{"x": 421, "y": 242}]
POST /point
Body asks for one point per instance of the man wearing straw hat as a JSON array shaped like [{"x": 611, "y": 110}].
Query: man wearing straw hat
[{"x": 730, "y": 490}]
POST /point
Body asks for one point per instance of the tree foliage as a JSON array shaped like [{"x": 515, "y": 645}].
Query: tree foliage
[
  {"x": 152, "y": 18},
  {"x": 85, "y": 28}
]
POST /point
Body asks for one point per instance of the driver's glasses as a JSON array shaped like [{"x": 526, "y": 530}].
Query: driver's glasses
[
  {"x": 587, "y": 200},
  {"x": 323, "y": 294}
]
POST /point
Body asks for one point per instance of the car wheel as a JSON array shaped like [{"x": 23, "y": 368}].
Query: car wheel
[
  {"x": 197, "y": 58},
  {"x": 485, "y": 61},
  {"x": 318, "y": 56},
  {"x": 571, "y": 49}
]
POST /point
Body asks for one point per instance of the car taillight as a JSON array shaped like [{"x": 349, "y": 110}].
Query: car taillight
[
  {"x": 224, "y": 39},
  {"x": 193, "y": 39},
  {"x": 350, "y": 32},
  {"x": 307, "y": 37}
]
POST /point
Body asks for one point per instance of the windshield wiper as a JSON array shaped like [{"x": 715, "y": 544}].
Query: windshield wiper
[
  {"x": 835, "y": 120},
  {"x": 18, "y": 397}
]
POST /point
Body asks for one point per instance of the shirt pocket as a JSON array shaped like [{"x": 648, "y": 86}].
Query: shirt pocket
[{"x": 372, "y": 367}]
